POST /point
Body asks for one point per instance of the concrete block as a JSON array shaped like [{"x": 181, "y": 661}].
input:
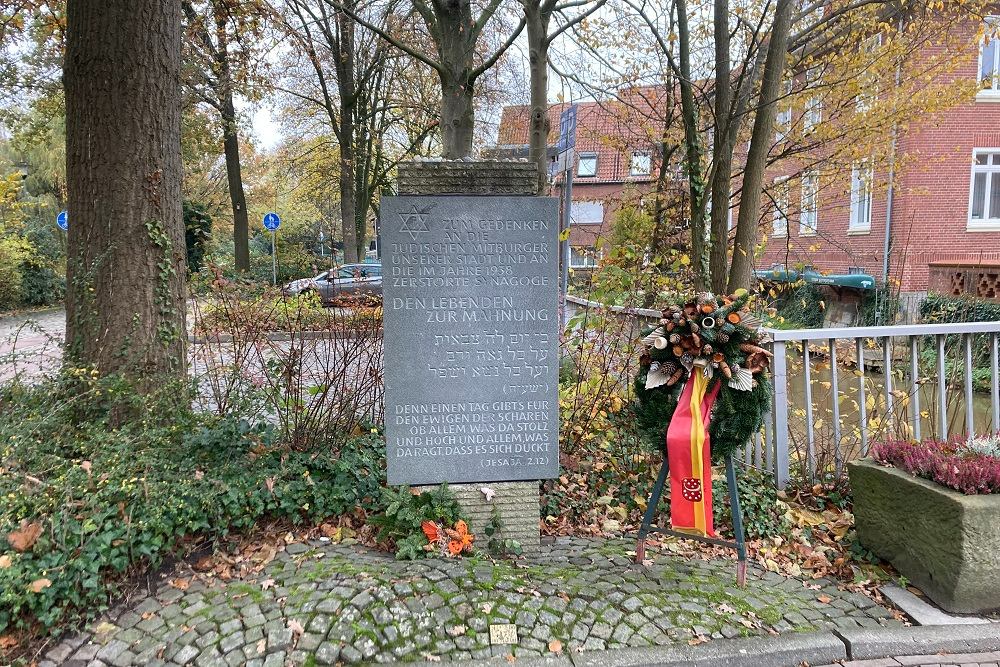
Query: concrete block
[
  {"x": 945, "y": 542},
  {"x": 864, "y": 643}
]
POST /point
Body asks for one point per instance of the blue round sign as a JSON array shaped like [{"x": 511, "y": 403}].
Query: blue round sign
[
  {"x": 63, "y": 220},
  {"x": 271, "y": 221}
]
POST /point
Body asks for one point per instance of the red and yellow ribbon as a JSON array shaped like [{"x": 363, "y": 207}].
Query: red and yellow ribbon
[{"x": 689, "y": 454}]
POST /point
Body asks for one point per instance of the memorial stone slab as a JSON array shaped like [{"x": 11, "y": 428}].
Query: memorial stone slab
[{"x": 470, "y": 294}]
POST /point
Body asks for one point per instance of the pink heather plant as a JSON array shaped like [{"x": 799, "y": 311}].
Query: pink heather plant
[{"x": 967, "y": 467}]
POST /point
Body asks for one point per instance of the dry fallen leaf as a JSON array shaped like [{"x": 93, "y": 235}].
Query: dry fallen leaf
[
  {"x": 5, "y": 562},
  {"x": 204, "y": 564},
  {"x": 266, "y": 584},
  {"x": 510, "y": 658},
  {"x": 456, "y": 630},
  {"x": 7, "y": 641},
  {"x": 555, "y": 646},
  {"x": 261, "y": 646},
  {"x": 25, "y": 537},
  {"x": 87, "y": 466},
  {"x": 39, "y": 585},
  {"x": 146, "y": 615},
  {"x": 296, "y": 627},
  {"x": 825, "y": 599},
  {"x": 181, "y": 584},
  {"x": 700, "y": 639}
]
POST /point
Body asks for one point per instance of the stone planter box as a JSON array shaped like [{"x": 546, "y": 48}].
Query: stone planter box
[{"x": 946, "y": 543}]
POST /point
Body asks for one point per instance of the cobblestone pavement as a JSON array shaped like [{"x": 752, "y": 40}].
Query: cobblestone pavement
[
  {"x": 321, "y": 603},
  {"x": 941, "y": 660}
]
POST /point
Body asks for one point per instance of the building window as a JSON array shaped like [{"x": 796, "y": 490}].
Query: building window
[
  {"x": 783, "y": 121},
  {"x": 867, "y": 82},
  {"x": 582, "y": 257},
  {"x": 984, "y": 209},
  {"x": 989, "y": 57},
  {"x": 861, "y": 198},
  {"x": 587, "y": 213},
  {"x": 587, "y": 166},
  {"x": 642, "y": 164},
  {"x": 813, "y": 113},
  {"x": 779, "y": 219},
  {"x": 809, "y": 212}
]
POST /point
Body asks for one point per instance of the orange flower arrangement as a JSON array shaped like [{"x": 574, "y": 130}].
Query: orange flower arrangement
[{"x": 449, "y": 541}]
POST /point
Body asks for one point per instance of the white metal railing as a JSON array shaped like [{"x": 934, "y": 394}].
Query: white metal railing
[
  {"x": 790, "y": 434},
  {"x": 771, "y": 449}
]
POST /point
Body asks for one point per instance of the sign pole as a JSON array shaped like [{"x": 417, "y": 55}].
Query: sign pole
[
  {"x": 564, "y": 247},
  {"x": 274, "y": 259}
]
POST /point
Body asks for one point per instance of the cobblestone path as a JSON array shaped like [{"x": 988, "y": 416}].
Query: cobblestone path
[{"x": 322, "y": 603}]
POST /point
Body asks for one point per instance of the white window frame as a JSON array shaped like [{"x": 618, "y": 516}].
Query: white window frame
[
  {"x": 577, "y": 205},
  {"x": 649, "y": 163},
  {"x": 812, "y": 115},
  {"x": 783, "y": 121},
  {"x": 579, "y": 165},
  {"x": 866, "y": 98},
  {"x": 862, "y": 176},
  {"x": 782, "y": 200},
  {"x": 990, "y": 92},
  {"x": 992, "y": 172},
  {"x": 590, "y": 254},
  {"x": 809, "y": 210}
]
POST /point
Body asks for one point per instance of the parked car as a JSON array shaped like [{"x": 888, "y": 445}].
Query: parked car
[{"x": 346, "y": 281}]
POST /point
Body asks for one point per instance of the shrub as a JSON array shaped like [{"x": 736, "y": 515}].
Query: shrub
[
  {"x": 943, "y": 308},
  {"x": 87, "y": 503},
  {"x": 401, "y": 523},
  {"x": 969, "y": 469}
]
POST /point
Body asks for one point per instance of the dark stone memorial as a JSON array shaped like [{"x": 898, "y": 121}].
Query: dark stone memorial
[{"x": 470, "y": 293}]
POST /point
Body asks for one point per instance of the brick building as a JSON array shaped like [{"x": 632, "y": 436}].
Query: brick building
[
  {"x": 617, "y": 160},
  {"x": 943, "y": 209}
]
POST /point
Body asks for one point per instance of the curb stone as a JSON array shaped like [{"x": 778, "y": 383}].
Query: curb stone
[
  {"x": 920, "y": 640},
  {"x": 782, "y": 651},
  {"x": 791, "y": 650}
]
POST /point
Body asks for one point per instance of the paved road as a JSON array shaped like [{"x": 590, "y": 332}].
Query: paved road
[{"x": 30, "y": 343}]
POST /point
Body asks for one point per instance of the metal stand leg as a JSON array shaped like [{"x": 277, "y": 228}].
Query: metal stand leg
[
  {"x": 647, "y": 518},
  {"x": 734, "y": 505}
]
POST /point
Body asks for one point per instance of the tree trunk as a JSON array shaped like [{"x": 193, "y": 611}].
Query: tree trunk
[
  {"x": 537, "y": 24},
  {"x": 457, "y": 117},
  {"x": 125, "y": 302},
  {"x": 696, "y": 180},
  {"x": 345, "y": 83},
  {"x": 722, "y": 152},
  {"x": 760, "y": 142},
  {"x": 456, "y": 50},
  {"x": 231, "y": 141},
  {"x": 237, "y": 196}
]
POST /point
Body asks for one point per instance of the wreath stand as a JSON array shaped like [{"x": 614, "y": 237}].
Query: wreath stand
[{"x": 739, "y": 545}]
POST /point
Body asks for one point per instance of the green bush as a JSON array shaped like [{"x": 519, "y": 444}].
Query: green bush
[
  {"x": 942, "y": 308},
  {"x": 404, "y": 512},
  {"x": 108, "y": 500},
  {"x": 802, "y": 306}
]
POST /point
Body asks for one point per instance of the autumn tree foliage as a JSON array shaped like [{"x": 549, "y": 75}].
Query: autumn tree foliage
[{"x": 777, "y": 89}]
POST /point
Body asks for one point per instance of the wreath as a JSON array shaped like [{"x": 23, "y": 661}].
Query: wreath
[{"x": 716, "y": 336}]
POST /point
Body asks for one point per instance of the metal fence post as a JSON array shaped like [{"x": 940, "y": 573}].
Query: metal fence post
[{"x": 781, "y": 472}]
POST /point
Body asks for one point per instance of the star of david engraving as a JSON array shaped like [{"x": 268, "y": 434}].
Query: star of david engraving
[{"x": 414, "y": 222}]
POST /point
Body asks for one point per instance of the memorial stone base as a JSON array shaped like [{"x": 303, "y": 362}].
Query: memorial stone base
[{"x": 516, "y": 502}]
